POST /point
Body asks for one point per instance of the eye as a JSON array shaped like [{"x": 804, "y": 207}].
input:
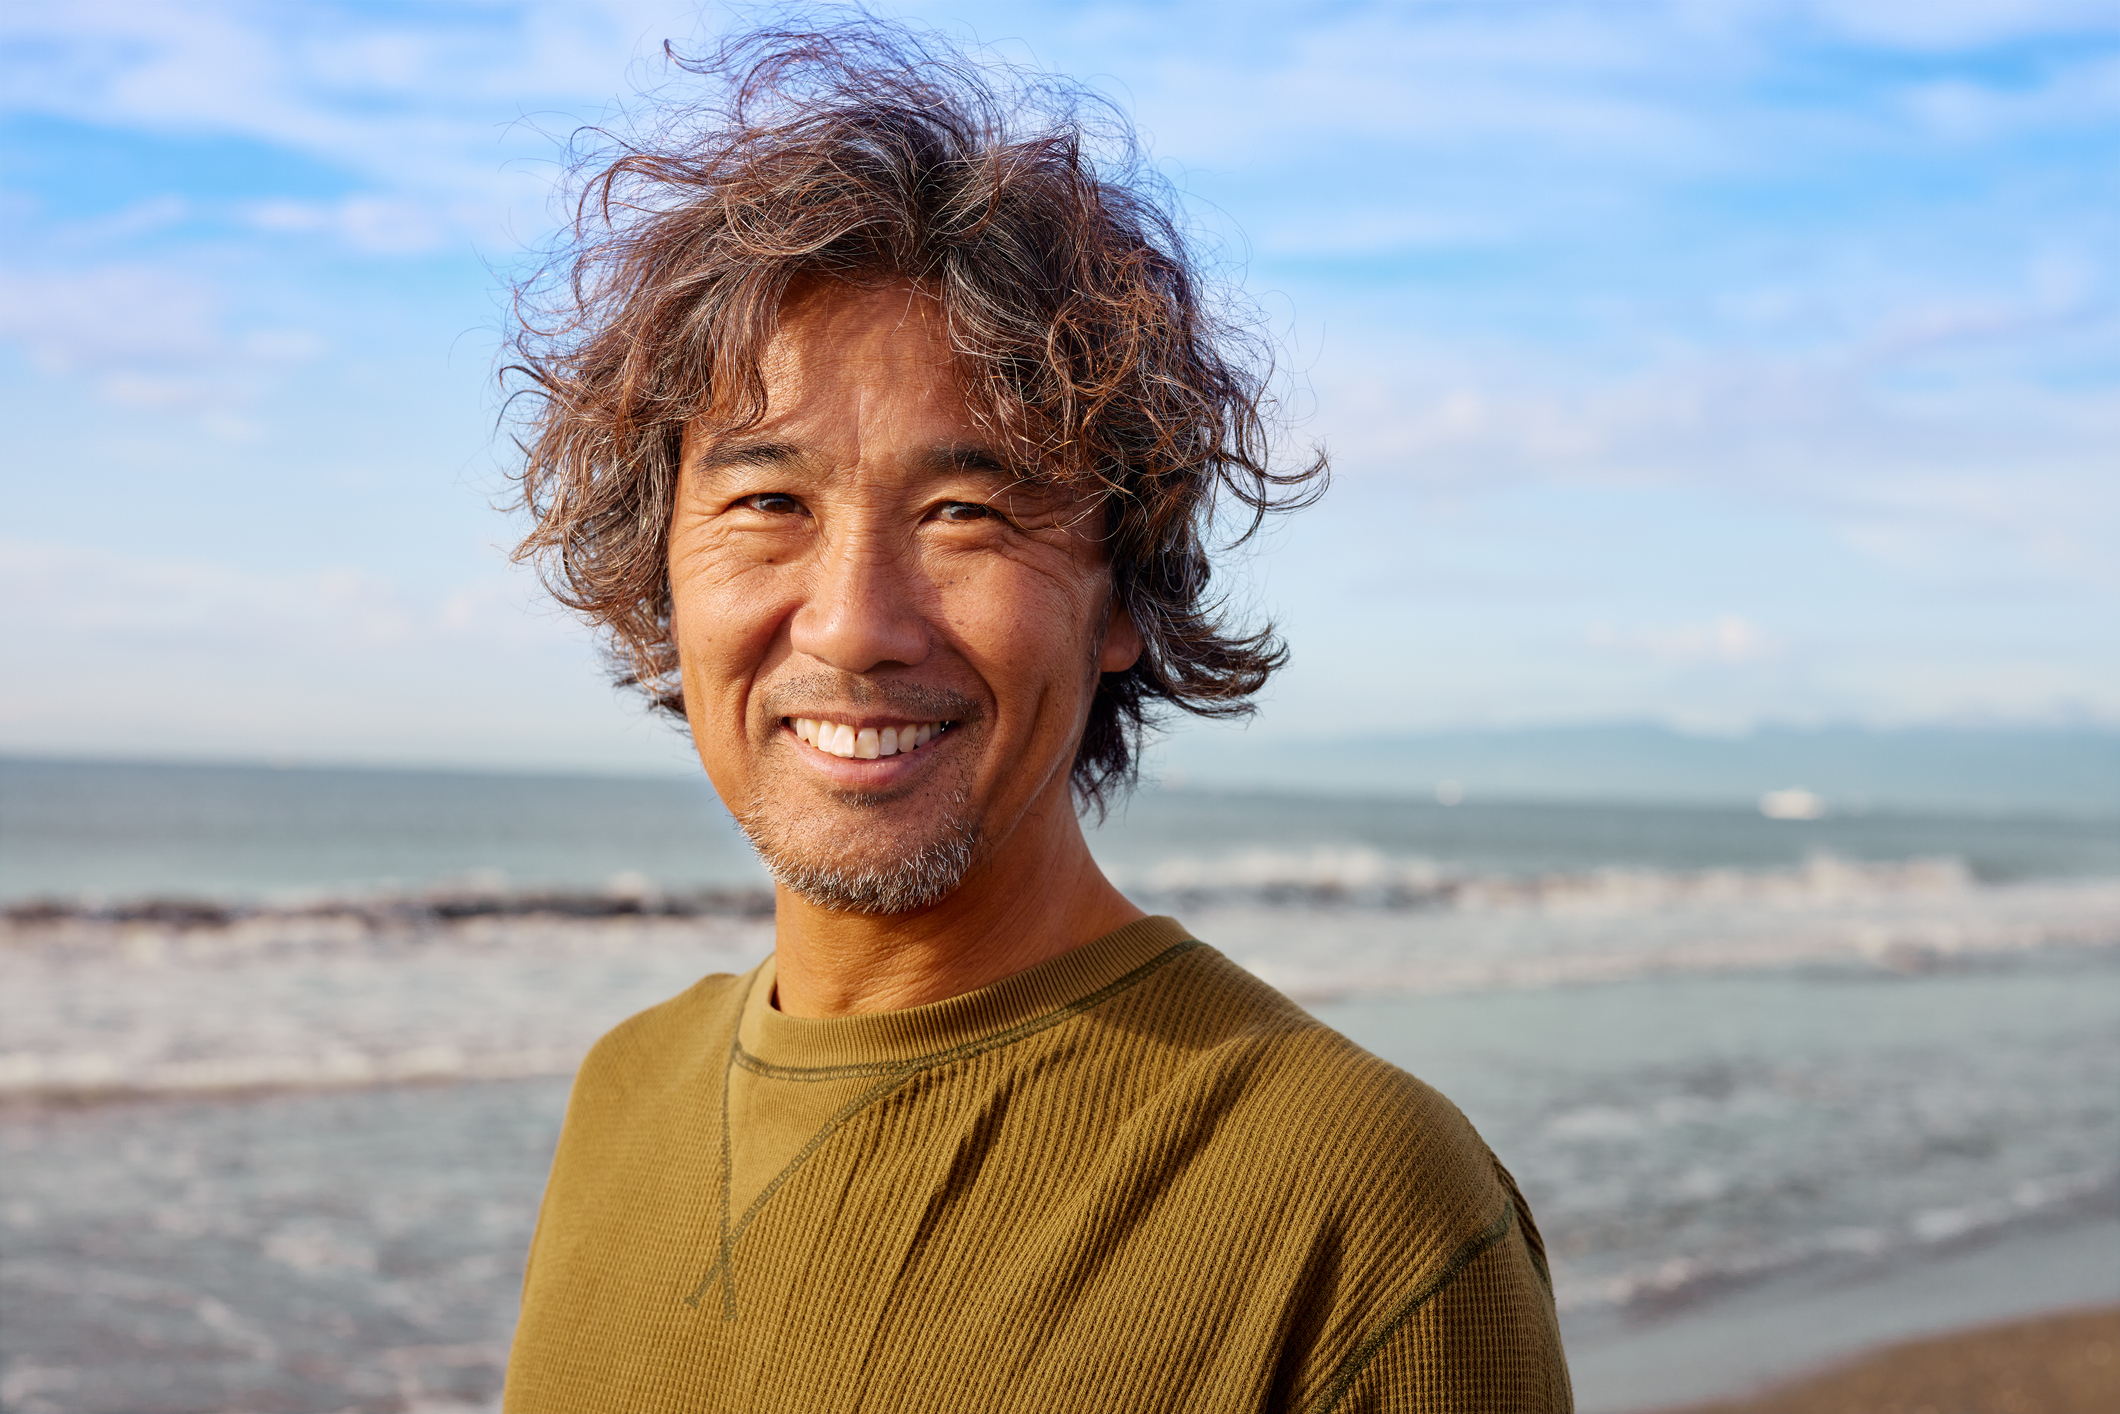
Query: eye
[
  {"x": 774, "y": 503},
  {"x": 961, "y": 512}
]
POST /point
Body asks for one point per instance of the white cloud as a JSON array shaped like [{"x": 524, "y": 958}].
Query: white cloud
[
  {"x": 150, "y": 336},
  {"x": 56, "y": 591},
  {"x": 370, "y": 225},
  {"x": 1381, "y": 92},
  {"x": 115, "y": 316},
  {"x": 450, "y": 121},
  {"x": 1926, "y": 423},
  {"x": 1960, "y": 24},
  {"x": 2084, "y": 90},
  {"x": 131, "y": 654},
  {"x": 1727, "y": 638},
  {"x": 422, "y": 114}
]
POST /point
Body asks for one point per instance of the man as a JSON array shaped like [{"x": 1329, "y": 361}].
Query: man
[{"x": 879, "y": 429}]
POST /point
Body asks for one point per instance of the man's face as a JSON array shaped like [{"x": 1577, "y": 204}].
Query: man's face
[{"x": 888, "y": 644}]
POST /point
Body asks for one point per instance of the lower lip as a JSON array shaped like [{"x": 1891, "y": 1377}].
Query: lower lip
[{"x": 873, "y": 771}]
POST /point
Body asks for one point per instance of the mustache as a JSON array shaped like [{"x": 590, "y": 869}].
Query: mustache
[{"x": 815, "y": 693}]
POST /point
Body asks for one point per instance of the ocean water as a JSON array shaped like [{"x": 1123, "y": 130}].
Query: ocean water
[{"x": 282, "y": 1054}]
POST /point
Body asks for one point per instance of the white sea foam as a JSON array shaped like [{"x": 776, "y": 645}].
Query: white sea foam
[
  {"x": 322, "y": 998},
  {"x": 1609, "y": 925},
  {"x": 1680, "y": 1278},
  {"x": 89, "y": 1008},
  {"x": 1365, "y": 877}
]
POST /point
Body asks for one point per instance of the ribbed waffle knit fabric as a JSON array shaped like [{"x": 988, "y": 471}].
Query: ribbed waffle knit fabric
[{"x": 1132, "y": 1178}]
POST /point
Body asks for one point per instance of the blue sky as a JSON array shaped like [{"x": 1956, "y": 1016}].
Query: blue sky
[{"x": 1712, "y": 363}]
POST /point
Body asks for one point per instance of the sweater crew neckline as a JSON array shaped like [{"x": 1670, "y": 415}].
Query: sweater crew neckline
[{"x": 888, "y": 1039}]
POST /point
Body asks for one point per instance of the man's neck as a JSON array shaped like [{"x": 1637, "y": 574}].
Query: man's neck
[{"x": 1038, "y": 895}]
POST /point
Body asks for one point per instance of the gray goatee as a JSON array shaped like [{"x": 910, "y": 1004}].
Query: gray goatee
[{"x": 925, "y": 876}]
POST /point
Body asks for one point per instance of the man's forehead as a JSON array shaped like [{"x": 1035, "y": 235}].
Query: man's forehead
[
  {"x": 831, "y": 323},
  {"x": 847, "y": 363},
  {"x": 838, "y": 362}
]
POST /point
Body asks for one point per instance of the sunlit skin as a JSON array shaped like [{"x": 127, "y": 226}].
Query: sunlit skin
[{"x": 861, "y": 556}]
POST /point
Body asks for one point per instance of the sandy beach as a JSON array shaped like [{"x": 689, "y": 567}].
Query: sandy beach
[{"x": 2065, "y": 1363}]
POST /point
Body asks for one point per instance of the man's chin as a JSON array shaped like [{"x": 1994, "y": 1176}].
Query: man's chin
[{"x": 876, "y": 877}]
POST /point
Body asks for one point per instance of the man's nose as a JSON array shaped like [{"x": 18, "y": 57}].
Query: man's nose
[{"x": 863, "y": 608}]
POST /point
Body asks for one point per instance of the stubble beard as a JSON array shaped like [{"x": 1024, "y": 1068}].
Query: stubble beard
[{"x": 816, "y": 862}]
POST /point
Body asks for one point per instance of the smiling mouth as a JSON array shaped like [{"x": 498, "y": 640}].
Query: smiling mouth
[{"x": 865, "y": 743}]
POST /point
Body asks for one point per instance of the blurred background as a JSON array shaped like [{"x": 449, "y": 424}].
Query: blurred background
[{"x": 1700, "y": 757}]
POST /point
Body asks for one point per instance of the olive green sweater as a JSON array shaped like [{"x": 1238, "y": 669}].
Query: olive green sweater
[{"x": 1132, "y": 1178}]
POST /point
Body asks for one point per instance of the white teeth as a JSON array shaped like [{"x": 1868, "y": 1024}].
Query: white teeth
[{"x": 863, "y": 743}]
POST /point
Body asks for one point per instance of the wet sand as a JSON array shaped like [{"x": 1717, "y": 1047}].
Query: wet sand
[{"x": 2067, "y": 1363}]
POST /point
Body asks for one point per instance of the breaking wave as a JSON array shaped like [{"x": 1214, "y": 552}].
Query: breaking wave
[
  {"x": 1333, "y": 923},
  {"x": 1367, "y": 878},
  {"x": 173, "y": 996},
  {"x": 1657, "y": 1287},
  {"x": 107, "y": 1003}
]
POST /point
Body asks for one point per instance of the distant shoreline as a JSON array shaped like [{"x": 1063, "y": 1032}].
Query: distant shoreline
[
  {"x": 2071, "y": 769},
  {"x": 1176, "y": 786},
  {"x": 439, "y": 908}
]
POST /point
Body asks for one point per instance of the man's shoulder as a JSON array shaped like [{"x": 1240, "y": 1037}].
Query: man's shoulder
[
  {"x": 1313, "y": 1104},
  {"x": 1377, "y": 1133},
  {"x": 1229, "y": 1009},
  {"x": 667, "y": 1041}
]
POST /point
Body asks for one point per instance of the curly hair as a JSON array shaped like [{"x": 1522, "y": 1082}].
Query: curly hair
[{"x": 1089, "y": 343}]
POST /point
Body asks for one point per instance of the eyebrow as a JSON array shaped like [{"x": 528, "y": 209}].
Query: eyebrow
[
  {"x": 971, "y": 457},
  {"x": 750, "y": 454},
  {"x": 965, "y": 457}
]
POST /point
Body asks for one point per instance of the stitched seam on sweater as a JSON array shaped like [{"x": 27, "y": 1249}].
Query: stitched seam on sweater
[
  {"x": 734, "y": 1234},
  {"x": 894, "y": 1075},
  {"x": 977, "y": 1046},
  {"x": 1358, "y": 1359},
  {"x": 1538, "y": 1263},
  {"x": 728, "y": 1173}
]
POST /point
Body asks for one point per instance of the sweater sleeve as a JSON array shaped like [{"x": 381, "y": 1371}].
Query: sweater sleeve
[
  {"x": 1481, "y": 1336},
  {"x": 1486, "y": 1342}
]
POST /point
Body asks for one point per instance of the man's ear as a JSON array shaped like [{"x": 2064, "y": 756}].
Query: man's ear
[{"x": 1122, "y": 641}]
